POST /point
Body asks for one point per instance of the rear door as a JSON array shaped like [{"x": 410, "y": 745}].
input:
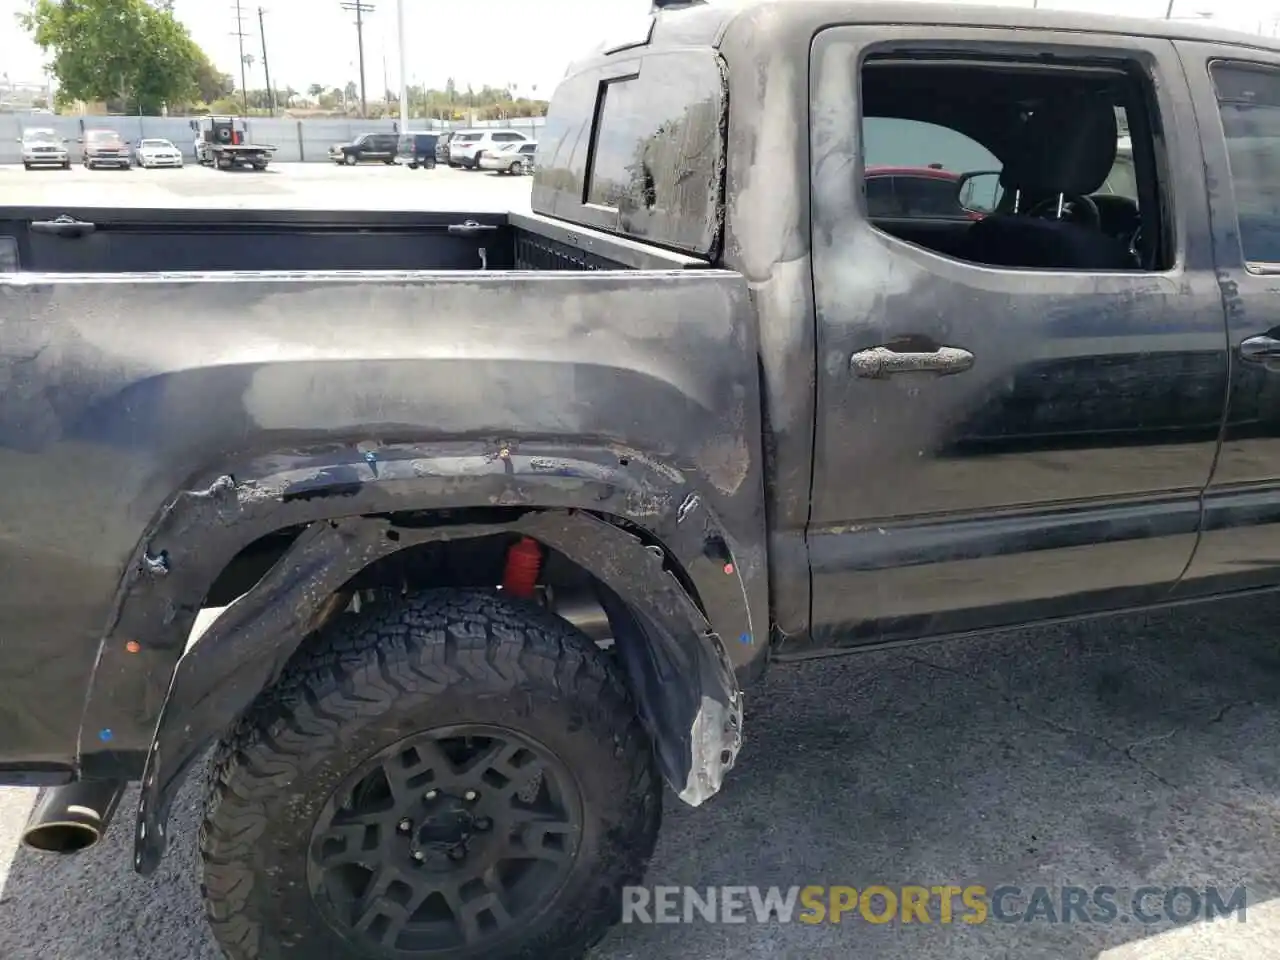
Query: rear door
[
  {"x": 1236, "y": 94},
  {"x": 999, "y": 445}
]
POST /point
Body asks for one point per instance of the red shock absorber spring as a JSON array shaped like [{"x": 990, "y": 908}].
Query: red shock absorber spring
[{"x": 524, "y": 563}]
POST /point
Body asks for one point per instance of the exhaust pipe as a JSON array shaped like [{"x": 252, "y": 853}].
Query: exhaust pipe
[{"x": 74, "y": 817}]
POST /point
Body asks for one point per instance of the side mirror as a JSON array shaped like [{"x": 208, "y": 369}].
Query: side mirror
[{"x": 980, "y": 191}]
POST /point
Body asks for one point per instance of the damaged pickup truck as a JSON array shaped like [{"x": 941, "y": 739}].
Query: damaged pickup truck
[{"x": 487, "y": 585}]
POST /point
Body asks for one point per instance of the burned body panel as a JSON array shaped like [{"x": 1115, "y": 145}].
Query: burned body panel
[
  {"x": 107, "y": 421},
  {"x": 681, "y": 670}
]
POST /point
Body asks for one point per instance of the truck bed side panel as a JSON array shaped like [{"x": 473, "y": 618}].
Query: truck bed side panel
[{"x": 121, "y": 391}]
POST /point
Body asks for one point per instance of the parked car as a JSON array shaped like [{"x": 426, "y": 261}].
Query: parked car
[
  {"x": 157, "y": 153},
  {"x": 743, "y": 418},
  {"x": 416, "y": 150},
  {"x": 918, "y": 192},
  {"x": 106, "y": 148},
  {"x": 512, "y": 158},
  {"x": 366, "y": 148},
  {"x": 468, "y": 146},
  {"x": 442, "y": 147},
  {"x": 44, "y": 147}
]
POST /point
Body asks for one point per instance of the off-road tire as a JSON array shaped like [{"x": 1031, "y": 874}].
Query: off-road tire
[{"x": 427, "y": 660}]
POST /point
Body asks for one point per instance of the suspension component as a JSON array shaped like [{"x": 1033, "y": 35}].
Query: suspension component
[{"x": 524, "y": 564}]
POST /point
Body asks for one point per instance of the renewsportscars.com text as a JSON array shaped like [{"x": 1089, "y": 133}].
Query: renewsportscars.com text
[{"x": 943, "y": 904}]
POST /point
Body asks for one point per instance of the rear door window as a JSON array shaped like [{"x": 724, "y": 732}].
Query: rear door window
[{"x": 1249, "y": 104}]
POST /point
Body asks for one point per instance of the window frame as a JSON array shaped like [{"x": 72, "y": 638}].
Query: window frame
[
  {"x": 593, "y": 147},
  {"x": 1045, "y": 50}
]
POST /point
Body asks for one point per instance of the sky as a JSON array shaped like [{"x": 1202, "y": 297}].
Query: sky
[{"x": 525, "y": 42}]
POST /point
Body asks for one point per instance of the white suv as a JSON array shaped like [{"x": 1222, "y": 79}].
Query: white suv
[{"x": 467, "y": 146}]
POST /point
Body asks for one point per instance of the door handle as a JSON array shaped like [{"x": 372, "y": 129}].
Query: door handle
[
  {"x": 1260, "y": 349},
  {"x": 63, "y": 226},
  {"x": 879, "y": 363}
]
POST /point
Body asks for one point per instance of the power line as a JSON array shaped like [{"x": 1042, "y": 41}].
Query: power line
[
  {"x": 266, "y": 69},
  {"x": 360, "y": 8},
  {"x": 239, "y": 35}
]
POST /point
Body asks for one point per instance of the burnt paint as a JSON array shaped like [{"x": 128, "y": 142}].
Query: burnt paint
[
  {"x": 108, "y": 419},
  {"x": 1062, "y": 471},
  {"x": 674, "y": 668},
  {"x": 1237, "y": 548}
]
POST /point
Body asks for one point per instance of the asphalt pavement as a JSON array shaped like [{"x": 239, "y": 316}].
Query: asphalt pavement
[
  {"x": 1126, "y": 752},
  {"x": 314, "y": 186}
]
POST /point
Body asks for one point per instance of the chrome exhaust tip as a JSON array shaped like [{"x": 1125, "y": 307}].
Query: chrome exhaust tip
[{"x": 72, "y": 818}]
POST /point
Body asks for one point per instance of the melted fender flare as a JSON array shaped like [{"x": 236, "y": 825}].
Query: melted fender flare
[{"x": 684, "y": 678}]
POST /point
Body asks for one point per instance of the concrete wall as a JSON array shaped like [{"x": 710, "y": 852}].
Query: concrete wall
[{"x": 296, "y": 140}]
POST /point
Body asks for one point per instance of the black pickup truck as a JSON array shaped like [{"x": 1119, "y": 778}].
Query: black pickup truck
[{"x": 487, "y": 585}]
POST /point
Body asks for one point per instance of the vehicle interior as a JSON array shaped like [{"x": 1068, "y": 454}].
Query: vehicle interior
[{"x": 1073, "y": 177}]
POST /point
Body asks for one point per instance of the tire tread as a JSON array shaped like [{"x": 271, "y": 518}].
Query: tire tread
[{"x": 473, "y": 644}]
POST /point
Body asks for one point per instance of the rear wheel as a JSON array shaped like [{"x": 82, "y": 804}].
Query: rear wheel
[{"x": 452, "y": 776}]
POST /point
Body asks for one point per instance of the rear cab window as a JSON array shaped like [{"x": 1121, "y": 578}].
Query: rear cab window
[{"x": 636, "y": 148}]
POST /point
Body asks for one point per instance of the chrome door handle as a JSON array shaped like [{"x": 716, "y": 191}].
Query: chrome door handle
[
  {"x": 1260, "y": 349},
  {"x": 879, "y": 363}
]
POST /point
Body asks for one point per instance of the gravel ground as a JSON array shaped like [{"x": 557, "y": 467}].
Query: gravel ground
[{"x": 1131, "y": 751}]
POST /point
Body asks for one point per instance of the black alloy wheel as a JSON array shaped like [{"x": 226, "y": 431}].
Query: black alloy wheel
[{"x": 445, "y": 840}]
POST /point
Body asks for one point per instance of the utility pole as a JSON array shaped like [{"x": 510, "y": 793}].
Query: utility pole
[
  {"x": 266, "y": 70},
  {"x": 404, "y": 69},
  {"x": 1168, "y": 13},
  {"x": 360, "y": 8},
  {"x": 239, "y": 35}
]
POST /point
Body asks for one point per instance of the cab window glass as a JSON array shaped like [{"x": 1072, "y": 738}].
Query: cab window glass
[{"x": 1249, "y": 104}]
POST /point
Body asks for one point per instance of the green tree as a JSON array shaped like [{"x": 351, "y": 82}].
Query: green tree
[
  {"x": 213, "y": 84},
  {"x": 117, "y": 50}
]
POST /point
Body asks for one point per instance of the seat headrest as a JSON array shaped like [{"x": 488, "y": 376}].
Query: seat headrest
[{"x": 1065, "y": 147}]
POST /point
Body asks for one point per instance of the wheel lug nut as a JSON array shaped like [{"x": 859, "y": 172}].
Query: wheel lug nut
[
  {"x": 470, "y": 795},
  {"x": 457, "y": 853},
  {"x": 419, "y": 855},
  {"x": 405, "y": 825},
  {"x": 432, "y": 794},
  {"x": 483, "y": 823}
]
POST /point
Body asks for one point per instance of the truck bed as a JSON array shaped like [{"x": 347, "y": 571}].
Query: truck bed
[{"x": 166, "y": 240}]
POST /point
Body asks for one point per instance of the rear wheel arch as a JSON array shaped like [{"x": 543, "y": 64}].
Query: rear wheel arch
[{"x": 670, "y": 570}]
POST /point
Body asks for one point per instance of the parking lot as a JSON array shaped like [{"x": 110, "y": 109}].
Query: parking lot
[
  {"x": 285, "y": 185},
  {"x": 1135, "y": 751}
]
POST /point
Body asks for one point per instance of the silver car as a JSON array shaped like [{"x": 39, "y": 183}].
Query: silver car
[{"x": 512, "y": 158}]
